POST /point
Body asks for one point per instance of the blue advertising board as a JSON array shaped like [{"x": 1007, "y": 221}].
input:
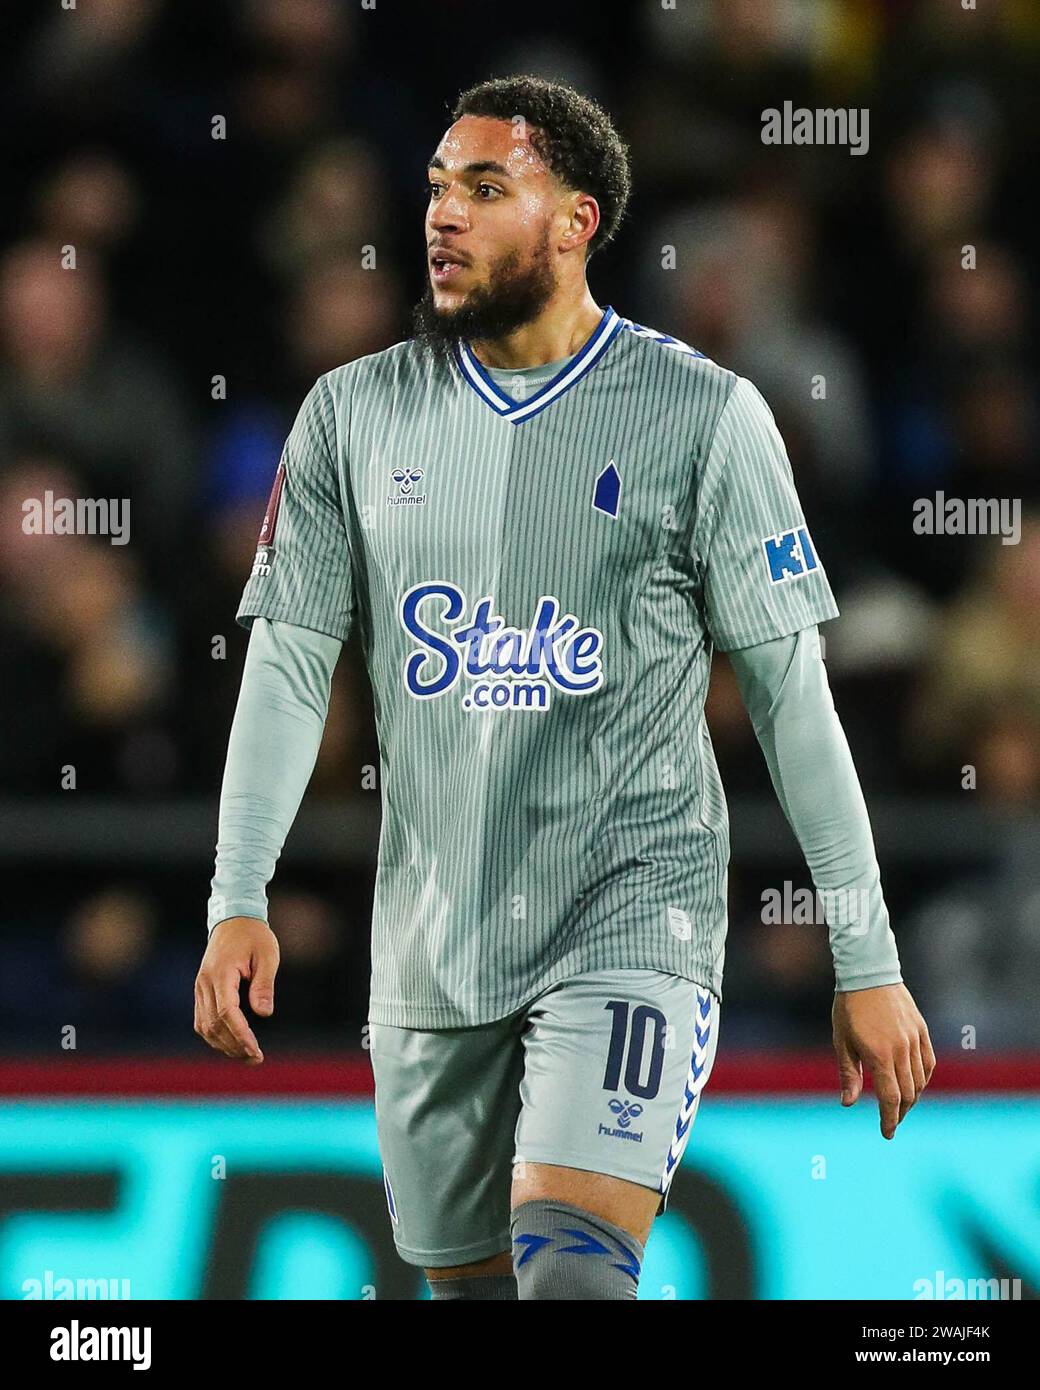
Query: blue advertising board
[{"x": 776, "y": 1199}]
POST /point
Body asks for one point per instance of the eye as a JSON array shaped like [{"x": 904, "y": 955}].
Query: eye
[
  {"x": 433, "y": 189},
  {"x": 487, "y": 188}
]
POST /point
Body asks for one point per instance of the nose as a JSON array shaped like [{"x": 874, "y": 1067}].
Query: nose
[{"x": 448, "y": 213}]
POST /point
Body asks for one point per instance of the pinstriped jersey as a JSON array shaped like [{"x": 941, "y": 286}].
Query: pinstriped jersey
[{"x": 538, "y": 580}]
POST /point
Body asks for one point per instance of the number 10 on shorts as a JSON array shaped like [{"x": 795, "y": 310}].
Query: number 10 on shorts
[{"x": 628, "y": 1041}]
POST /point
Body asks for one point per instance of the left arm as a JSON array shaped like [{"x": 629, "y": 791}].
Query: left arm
[
  {"x": 784, "y": 685},
  {"x": 763, "y": 589}
]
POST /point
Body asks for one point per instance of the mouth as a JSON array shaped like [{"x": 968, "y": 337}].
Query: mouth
[{"x": 445, "y": 266}]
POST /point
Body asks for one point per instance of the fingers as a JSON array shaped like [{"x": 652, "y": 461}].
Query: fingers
[
  {"x": 850, "y": 1073},
  {"x": 914, "y": 1068},
  {"x": 220, "y": 1021},
  {"x": 883, "y": 1028},
  {"x": 890, "y": 1098},
  {"x": 927, "y": 1055},
  {"x": 235, "y": 1028},
  {"x": 209, "y": 1026},
  {"x": 900, "y": 1082},
  {"x": 917, "y": 1066},
  {"x": 907, "y": 1085},
  {"x": 261, "y": 991}
]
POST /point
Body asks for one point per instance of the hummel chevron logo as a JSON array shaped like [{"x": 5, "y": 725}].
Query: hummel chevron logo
[{"x": 698, "y": 1075}]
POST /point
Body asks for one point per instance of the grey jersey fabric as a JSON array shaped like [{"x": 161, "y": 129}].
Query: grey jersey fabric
[
  {"x": 784, "y": 686},
  {"x": 278, "y": 726},
  {"x": 538, "y": 584}
]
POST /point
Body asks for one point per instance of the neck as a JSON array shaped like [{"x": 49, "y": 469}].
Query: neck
[{"x": 558, "y": 331}]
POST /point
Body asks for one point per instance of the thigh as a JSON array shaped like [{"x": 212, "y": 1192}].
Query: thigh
[
  {"x": 446, "y": 1105},
  {"x": 614, "y": 1065}
]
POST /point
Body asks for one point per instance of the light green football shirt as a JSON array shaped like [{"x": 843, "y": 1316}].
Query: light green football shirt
[{"x": 538, "y": 580}]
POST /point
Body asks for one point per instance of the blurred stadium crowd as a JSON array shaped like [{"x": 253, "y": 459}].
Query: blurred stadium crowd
[{"x": 240, "y": 258}]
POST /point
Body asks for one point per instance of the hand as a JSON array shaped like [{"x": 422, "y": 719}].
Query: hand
[
  {"x": 883, "y": 1028},
  {"x": 240, "y": 948}
]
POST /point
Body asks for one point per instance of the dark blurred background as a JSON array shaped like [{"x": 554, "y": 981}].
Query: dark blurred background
[{"x": 216, "y": 278}]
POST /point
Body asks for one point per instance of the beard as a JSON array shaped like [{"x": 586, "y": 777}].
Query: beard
[{"x": 515, "y": 295}]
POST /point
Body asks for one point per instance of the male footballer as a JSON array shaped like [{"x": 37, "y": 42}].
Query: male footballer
[{"x": 543, "y": 518}]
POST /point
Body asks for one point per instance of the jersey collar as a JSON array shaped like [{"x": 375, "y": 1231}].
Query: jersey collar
[{"x": 569, "y": 375}]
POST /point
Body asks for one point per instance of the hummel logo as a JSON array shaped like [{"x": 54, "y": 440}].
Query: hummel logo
[
  {"x": 626, "y": 1112},
  {"x": 406, "y": 478}
]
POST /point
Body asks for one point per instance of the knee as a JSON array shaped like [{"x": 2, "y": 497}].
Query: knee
[{"x": 564, "y": 1252}]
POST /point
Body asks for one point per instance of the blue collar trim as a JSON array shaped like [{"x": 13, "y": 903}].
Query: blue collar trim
[{"x": 517, "y": 411}]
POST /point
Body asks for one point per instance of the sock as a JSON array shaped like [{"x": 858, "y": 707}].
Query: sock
[
  {"x": 474, "y": 1286},
  {"x": 563, "y": 1252}
]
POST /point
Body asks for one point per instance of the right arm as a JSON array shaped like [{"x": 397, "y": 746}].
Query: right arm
[
  {"x": 275, "y": 737},
  {"x": 300, "y": 602}
]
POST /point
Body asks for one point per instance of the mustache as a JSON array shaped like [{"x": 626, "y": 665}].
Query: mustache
[{"x": 514, "y": 296}]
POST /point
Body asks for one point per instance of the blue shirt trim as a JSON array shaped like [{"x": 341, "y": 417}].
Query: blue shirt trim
[{"x": 569, "y": 375}]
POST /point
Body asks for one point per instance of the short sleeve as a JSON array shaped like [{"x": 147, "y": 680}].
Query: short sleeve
[
  {"x": 302, "y": 572},
  {"x": 762, "y": 575}
]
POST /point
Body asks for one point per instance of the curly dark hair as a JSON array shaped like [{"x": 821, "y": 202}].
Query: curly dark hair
[{"x": 573, "y": 135}]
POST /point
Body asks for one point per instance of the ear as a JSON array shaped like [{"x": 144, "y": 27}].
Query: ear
[{"x": 582, "y": 221}]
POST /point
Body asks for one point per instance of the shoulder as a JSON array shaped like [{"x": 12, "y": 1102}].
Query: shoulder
[
  {"x": 669, "y": 357},
  {"x": 746, "y": 413},
  {"x": 684, "y": 376},
  {"x": 735, "y": 400},
  {"x": 653, "y": 344}
]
